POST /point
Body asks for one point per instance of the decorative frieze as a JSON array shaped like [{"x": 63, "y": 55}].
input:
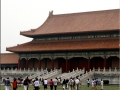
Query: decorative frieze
[
  {"x": 33, "y": 56},
  {"x": 97, "y": 54},
  {"x": 47, "y": 55},
  {"x": 77, "y": 54},
  {"x": 22, "y": 56},
  {"x": 112, "y": 53},
  {"x": 71, "y": 55},
  {"x": 59, "y": 55}
]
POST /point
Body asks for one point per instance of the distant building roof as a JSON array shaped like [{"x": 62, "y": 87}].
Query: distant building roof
[
  {"x": 77, "y": 22},
  {"x": 9, "y": 58},
  {"x": 92, "y": 44}
]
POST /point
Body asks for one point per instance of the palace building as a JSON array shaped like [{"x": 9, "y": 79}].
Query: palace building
[{"x": 70, "y": 41}]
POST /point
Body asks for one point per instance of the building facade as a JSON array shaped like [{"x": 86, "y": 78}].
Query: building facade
[
  {"x": 70, "y": 41},
  {"x": 9, "y": 60}
]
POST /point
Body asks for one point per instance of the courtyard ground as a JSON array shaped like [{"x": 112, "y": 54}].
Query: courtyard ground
[{"x": 83, "y": 87}]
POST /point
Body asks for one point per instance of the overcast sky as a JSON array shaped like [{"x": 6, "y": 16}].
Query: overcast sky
[{"x": 22, "y": 15}]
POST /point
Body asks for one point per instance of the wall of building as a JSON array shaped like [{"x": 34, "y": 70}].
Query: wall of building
[{"x": 115, "y": 63}]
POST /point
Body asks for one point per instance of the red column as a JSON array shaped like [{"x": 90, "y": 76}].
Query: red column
[
  {"x": 105, "y": 62},
  {"x": 18, "y": 63},
  {"x": 88, "y": 64},
  {"x": 39, "y": 64},
  {"x": 66, "y": 65},
  {"x": 52, "y": 64},
  {"x": 26, "y": 64}
]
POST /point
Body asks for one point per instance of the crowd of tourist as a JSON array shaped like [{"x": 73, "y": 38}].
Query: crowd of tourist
[{"x": 70, "y": 84}]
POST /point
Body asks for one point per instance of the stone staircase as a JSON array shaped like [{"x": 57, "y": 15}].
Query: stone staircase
[
  {"x": 73, "y": 74},
  {"x": 104, "y": 74},
  {"x": 37, "y": 74},
  {"x": 51, "y": 74}
]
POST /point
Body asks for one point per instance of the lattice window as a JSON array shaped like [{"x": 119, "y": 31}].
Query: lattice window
[{"x": 114, "y": 35}]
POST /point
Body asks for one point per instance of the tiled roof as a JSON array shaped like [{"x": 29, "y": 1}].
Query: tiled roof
[
  {"x": 78, "y": 22},
  {"x": 9, "y": 58},
  {"x": 67, "y": 45}
]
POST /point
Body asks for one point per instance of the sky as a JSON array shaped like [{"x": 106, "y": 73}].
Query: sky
[{"x": 24, "y": 15}]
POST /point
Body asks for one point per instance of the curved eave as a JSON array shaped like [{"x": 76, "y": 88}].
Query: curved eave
[
  {"x": 63, "y": 33},
  {"x": 63, "y": 50},
  {"x": 67, "y": 45}
]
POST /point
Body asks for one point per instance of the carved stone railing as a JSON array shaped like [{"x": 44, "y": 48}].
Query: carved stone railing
[
  {"x": 107, "y": 71},
  {"x": 19, "y": 71},
  {"x": 100, "y": 71}
]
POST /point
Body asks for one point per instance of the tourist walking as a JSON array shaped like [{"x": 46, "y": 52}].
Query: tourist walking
[
  {"x": 70, "y": 83},
  {"x": 59, "y": 80},
  {"x": 51, "y": 84},
  {"x": 36, "y": 84},
  {"x": 101, "y": 82},
  {"x": 88, "y": 82},
  {"x": 7, "y": 84},
  {"x": 77, "y": 82},
  {"x": 73, "y": 83},
  {"x": 45, "y": 84},
  {"x": 28, "y": 81},
  {"x": 25, "y": 84},
  {"x": 55, "y": 82},
  {"x": 32, "y": 81},
  {"x": 80, "y": 83},
  {"x": 64, "y": 84},
  {"x": 96, "y": 80},
  {"x": 42, "y": 80},
  {"x": 93, "y": 83},
  {"x": 14, "y": 84}
]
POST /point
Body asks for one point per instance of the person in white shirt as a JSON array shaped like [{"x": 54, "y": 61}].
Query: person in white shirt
[
  {"x": 101, "y": 84},
  {"x": 58, "y": 81},
  {"x": 55, "y": 82},
  {"x": 92, "y": 83},
  {"x": 88, "y": 82},
  {"x": 77, "y": 82},
  {"x": 45, "y": 84},
  {"x": 36, "y": 84}
]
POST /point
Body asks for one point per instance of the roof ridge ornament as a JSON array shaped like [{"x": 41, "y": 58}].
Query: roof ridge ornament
[
  {"x": 50, "y": 13},
  {"x": 32, "y": 30}
]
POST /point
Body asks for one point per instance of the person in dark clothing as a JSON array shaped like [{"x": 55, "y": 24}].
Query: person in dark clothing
[
  {"x": 88, "y": 82},
  {"x": 7, "y": 84},
  {"x": 28, "y": 81},
  {"x": 25, "y": 83},
  {"x": 64, "y": 84}
]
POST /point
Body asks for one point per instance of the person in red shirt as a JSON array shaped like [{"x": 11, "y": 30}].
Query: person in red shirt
[
  {"x": 14, "y": 84},
  {"x": 51, "y": 84}
]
